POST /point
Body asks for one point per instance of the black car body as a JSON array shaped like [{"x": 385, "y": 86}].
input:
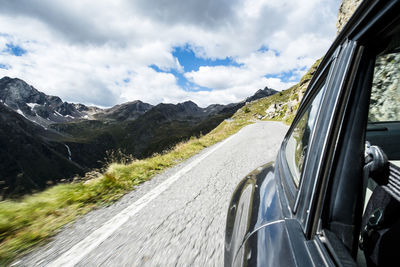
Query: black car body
[{"x": 305, "y": 209}]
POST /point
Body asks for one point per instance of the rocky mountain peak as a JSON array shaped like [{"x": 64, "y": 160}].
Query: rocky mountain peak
[
  {"x": 15, "y": 93},
  {"x": 126, "y": 111},
  {"x": 134, "y": 105},
  {"x": 261, "y": 93},
  {"x": 189, "y": 107},
  {"x": 139, "y": 105},
  {"x": 190, "y": 104},
  {"x": 37, "y": 106}
]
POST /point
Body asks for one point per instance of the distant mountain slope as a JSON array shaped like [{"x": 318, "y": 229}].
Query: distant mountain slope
[
  {"x": 29, "y": 161},
  {"x": 165, "y": 125},
  {"x": 158, "y": 129}
]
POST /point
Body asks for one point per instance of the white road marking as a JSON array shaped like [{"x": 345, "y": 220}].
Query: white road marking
[{"x": 84, "y": 247}]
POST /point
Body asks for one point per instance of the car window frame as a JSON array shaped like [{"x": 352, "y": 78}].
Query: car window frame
[
  {"x": 303, "y": 200},
  {"x": 316, "y": 84},
  {"x": 345, "y": 55}
]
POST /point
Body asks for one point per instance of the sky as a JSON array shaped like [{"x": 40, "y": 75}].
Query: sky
[{"x": 105, "y": 53}]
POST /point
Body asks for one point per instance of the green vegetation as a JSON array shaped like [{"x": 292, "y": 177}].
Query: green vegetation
[{"x": 33, "y": 219}]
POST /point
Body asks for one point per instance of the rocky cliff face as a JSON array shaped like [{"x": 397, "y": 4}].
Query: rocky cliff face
[
  {"x": 386, "y": 80},
  {"x": 346, "y": 10},
  {"x": 385, "y": 93}
]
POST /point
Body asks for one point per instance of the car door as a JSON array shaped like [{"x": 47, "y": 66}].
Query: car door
[
  {"x": 336, "y": 205},
  {"x": 283, "y": 241}
]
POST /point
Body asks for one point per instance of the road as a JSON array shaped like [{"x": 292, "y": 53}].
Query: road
[{"x": 175, "y": 219}]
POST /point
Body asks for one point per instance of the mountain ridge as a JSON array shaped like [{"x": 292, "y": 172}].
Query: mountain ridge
[
  {"x": 82, "y": 136},
  {"x": 47, "y": 109}
]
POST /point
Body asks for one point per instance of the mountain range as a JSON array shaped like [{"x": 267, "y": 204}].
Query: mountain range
[{"x": 44, "y": 140}]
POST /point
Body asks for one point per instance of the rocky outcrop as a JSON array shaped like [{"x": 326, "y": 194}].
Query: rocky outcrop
[
  {"x": 386, "y": 82},
  {"x": 346, "y": 10},
  {"x": 385, "y": 94}
]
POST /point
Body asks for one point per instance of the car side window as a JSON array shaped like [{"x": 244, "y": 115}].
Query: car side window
[
  {"x": 384, "y": 110},
  {"x": 385, "y": 92},
  {"x": 299, "y": 140}
]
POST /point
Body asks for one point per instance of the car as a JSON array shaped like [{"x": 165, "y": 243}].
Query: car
[{"x": 324, "y": 200}]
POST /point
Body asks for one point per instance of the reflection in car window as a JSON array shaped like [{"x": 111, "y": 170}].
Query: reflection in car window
[
  {"x": 385, "y": 93},
  {"x": 298, "y": 141}
]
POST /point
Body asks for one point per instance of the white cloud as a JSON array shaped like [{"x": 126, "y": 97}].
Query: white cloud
[
  {"x": 83, "y": 51},
  {"x": 240, "y": 82},
  {"x": 158, "y": 87}
]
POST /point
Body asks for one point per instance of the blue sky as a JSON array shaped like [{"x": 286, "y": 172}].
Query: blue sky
[
  {"x": 208, "y": 52},
  {"x": 190, "y": 62},
  {"x": 289, "y": 76},
  {"x": 14, "y": 50}
]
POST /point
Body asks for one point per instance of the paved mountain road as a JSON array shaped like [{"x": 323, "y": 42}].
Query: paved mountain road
[{"x": 176, "y": 219}]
